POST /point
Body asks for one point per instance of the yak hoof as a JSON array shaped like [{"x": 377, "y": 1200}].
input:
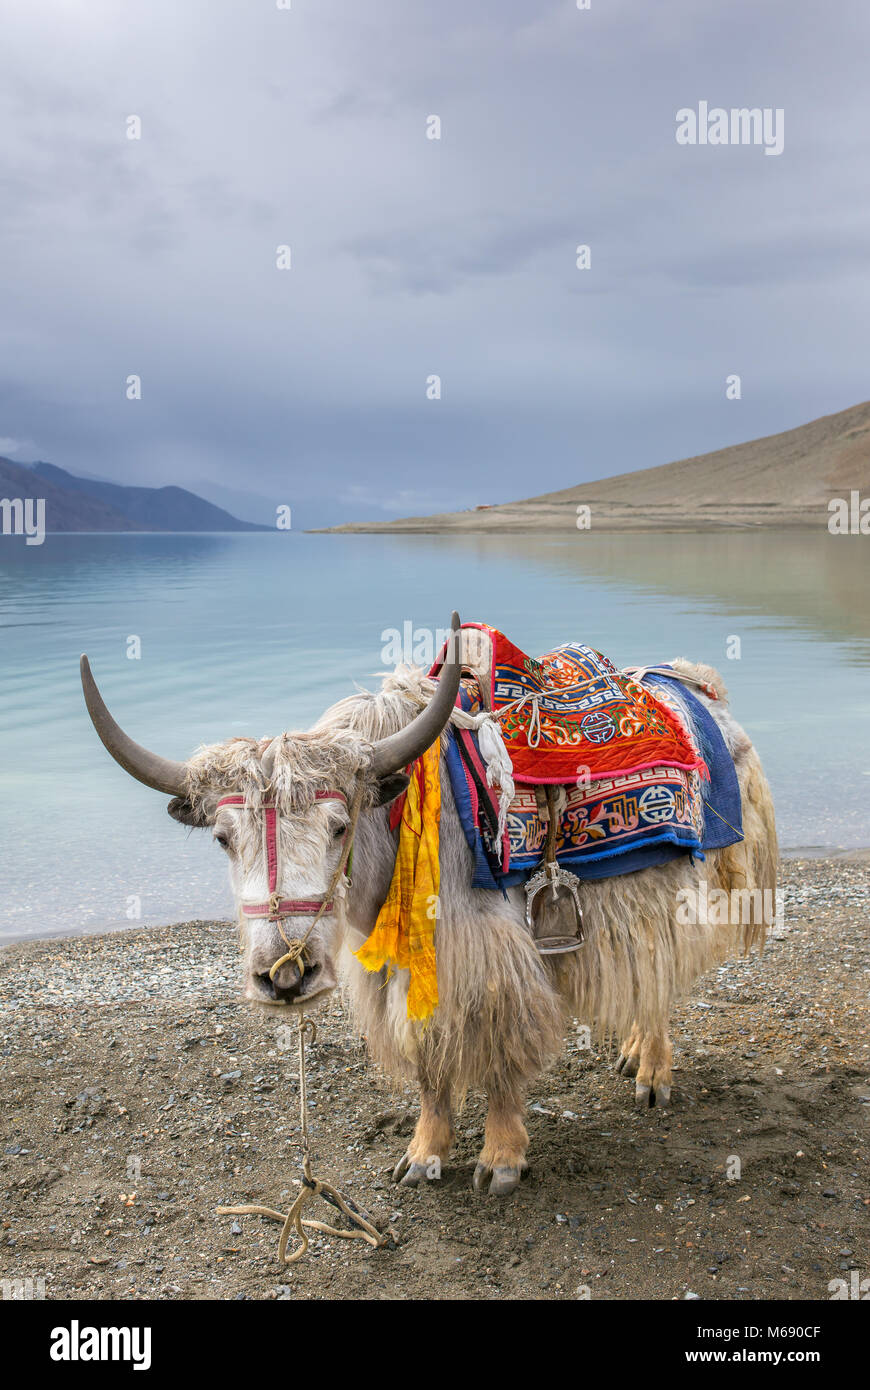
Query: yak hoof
[
  {"x": 416, "y": 1174},
  {"x": 627, "y": 1065},
  {"x": 498, "y": 1181},
  {"x": 401, "y": 1167},
  {"x": 648, "y": 1096},
  {"x": 409, "y": 1173},
  {"x": 504, "y": 1180}
]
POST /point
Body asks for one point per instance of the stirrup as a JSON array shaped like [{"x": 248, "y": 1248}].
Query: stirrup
[{"x": 551, "y": 875}]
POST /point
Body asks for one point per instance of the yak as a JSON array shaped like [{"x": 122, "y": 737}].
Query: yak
[{"x": 283, "y": 811}]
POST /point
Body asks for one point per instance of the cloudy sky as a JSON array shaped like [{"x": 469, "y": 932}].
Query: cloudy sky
[{"x": 411, "y": 257}]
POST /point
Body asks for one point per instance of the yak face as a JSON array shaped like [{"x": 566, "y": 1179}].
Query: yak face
[
  {"x": 311, "y": 833},
  {"x": 310, "y": 845},
  {"x": 311, "y": 781}
]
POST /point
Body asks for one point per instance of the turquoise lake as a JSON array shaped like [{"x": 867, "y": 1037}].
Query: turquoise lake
[{"x": 258, "y": 633}]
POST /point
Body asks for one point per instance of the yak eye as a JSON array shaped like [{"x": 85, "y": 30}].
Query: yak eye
[
  {"x": 338, "y": 832},
  {"x": 222, "y": 840}
]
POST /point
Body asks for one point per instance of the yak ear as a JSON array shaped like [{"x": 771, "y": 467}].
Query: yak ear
[
  {"x": 182, "y": 810},
  {"x": 386, "y": 789}
]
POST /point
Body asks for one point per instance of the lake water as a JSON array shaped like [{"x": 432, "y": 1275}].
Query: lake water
[{"x": 258, "y": 633}]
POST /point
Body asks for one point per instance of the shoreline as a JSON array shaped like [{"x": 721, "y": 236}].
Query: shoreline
[
  {"x": 805, "y": 854},
  {"x": 135, "y": 1047},
  {"x": 507, "y": 521}
]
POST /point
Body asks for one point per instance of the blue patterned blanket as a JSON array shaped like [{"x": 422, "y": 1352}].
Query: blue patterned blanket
[{"x": 616, "y": 825}]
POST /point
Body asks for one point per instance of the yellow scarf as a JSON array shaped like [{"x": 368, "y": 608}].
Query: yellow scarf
[{"x": 404, "y": 934}]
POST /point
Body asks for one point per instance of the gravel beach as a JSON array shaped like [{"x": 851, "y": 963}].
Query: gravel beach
[{"x": 139, "y": 1094}]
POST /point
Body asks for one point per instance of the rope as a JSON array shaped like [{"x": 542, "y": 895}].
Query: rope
[
  {"x": 296, "y": 947},
  {"x": 311, "y": 1187},
  {"x": 722, "y": 818},
  {"x": 639, "y": 674}
]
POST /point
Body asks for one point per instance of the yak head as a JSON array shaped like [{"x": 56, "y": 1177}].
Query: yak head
[{"x": 283, "y": 810}]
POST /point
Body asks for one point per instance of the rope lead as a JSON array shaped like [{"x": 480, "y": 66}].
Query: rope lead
[{"x": 311, "y": 1187}]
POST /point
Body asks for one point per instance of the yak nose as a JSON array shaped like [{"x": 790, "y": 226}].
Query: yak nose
[{"x": 287, "y": 984}]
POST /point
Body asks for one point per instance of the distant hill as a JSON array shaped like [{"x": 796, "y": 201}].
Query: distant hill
[
  {"x": 64, "y": 511},
  {"x": 89, "y": 504},
  {"x": 782, "y": 480},
  {"x": 150, "y": 508}
]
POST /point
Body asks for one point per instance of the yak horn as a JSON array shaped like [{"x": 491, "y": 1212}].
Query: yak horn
[
  {"x": 160, "y": 773},
  {"x": 399, "y": 749}
]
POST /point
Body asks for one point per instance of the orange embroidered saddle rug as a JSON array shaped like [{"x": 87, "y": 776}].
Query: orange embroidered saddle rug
[{"x": 571, "y": 716}]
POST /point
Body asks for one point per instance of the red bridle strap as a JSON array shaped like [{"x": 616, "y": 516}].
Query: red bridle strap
[{"x": 277, "y": 907}]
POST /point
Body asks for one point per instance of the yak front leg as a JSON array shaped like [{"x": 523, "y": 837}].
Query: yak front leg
[
  {"x": 503, "y": 1156},
  {"x": 432, "y": 1141}
]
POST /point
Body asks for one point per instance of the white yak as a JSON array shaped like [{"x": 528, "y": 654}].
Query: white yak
[{"x": 503, "y": 1008}]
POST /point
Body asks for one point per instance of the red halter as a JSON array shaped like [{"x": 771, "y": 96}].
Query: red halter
[{"x": 277, "y": 907}]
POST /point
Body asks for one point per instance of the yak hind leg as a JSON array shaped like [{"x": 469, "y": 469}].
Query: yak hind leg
[
  {"x": 502, "y": 1159},
  {"x": 647, "y": 1054},
  {"x": 432, "y": 1141}
]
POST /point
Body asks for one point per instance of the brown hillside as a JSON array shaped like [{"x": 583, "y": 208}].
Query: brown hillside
[{"x": 781, "y": 480}]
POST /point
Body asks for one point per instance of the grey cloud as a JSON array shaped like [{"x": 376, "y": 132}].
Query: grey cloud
[{"x": 413, "y": 256}]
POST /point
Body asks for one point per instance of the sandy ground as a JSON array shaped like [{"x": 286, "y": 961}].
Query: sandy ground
[{"x": 138, "y": 1094}]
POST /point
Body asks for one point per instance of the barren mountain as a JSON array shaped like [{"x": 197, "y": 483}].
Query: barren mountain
[
  {"x": 64, "y": 511},
  {"x": 84, "y": 504},
  {"x": 781, "y": 480}
]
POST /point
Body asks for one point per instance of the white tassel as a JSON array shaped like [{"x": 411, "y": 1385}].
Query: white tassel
[
  {"x": 499, "y": 768},
  {"x": 499, "y": 772}
]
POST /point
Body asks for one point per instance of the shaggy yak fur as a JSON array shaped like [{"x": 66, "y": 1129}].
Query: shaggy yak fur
[{"x": 503, "y": 1008}]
